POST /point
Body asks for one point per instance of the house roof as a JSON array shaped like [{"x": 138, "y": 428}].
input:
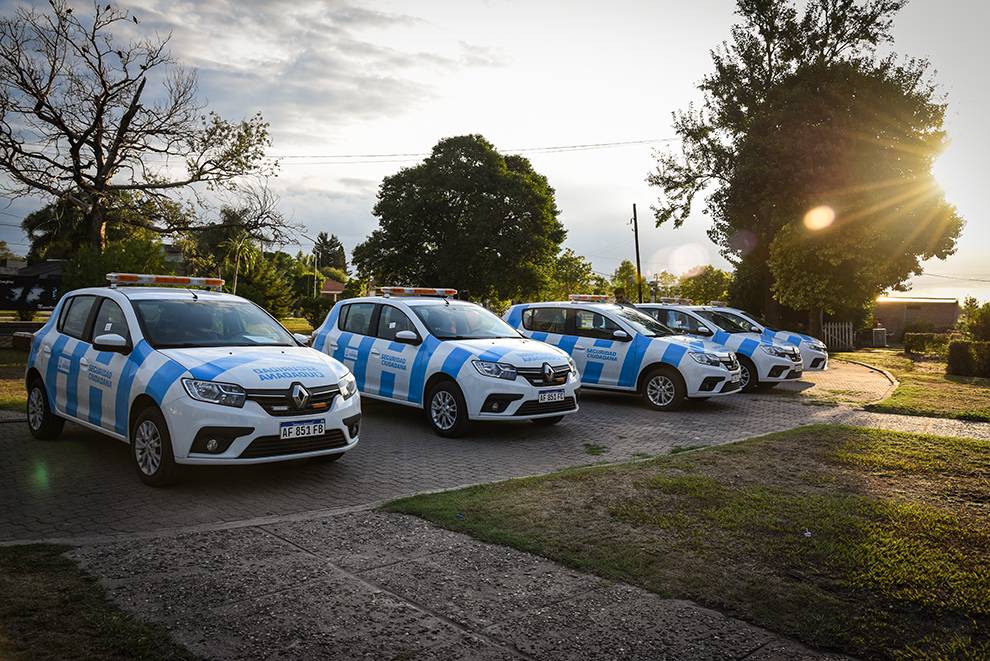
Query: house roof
[
  {"x": 891, "y": 299},
  {"x": 332, "y": 287}
]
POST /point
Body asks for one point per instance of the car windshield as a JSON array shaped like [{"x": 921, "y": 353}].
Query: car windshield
[
  {"x": 462, "y": 321},
  {"x": 724, "y": 322},
  {"x": 197, "y": 323},
  {"x": 643, "y": 323},
  {"x": 747, "y": 321}
]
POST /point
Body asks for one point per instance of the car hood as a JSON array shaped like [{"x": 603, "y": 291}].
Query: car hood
[
  {"x": 518, "y": 352},
  {"x": 698, "y": 344},
  {"x": 259, "y": 367}
]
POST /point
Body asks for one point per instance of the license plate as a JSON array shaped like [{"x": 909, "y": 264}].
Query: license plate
[
  {"x": 551, "y": 396},
  {"x": 736, "y": 378},
  {"x": 303, "y": 429}
]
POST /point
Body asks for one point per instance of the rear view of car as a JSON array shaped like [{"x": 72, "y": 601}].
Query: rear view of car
[{"x": 456, "y": 360}]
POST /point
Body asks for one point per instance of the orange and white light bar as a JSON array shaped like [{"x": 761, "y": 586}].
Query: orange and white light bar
[
  {"x": 145, "y": 279},
  {"x": 418, "y": 291},
  {"x": 718, "y": 304},
  {"x": 590, "y": 298},
  {"x": 677, "y": 301}
]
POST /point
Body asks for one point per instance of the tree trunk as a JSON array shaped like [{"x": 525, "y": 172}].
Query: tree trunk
[
  {"x": 97, "y": 218},
  {"x": 815, "y": 323},
  {"x": 771, "y": 310}
]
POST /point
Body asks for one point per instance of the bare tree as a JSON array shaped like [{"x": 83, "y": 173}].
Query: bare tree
[{"x": 77, "y": 124}]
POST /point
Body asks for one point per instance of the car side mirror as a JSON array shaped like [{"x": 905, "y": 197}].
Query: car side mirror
[
  {"x": 303, "y": 340},
  {"x": 408, "y": 337},
  {"x": 112, "y": 342},
  {"x": 621, "y": 336},
  {"x": 703, "y": 330}
]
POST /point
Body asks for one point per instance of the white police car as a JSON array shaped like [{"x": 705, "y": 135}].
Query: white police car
[
  {"x": 186, "y": 377},
  {"x": 814, "y": 353},
  {"x": 455, "y": 359},
  {"x": 620, "y": 348},
  {"x": 764, "y": 361}
]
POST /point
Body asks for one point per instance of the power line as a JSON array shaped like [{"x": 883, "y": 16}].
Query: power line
[{"x": 337, "y": 159}]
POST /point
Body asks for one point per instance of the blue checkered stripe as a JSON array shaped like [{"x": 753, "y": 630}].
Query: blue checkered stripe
[
  {"x": 102, "y": 394},
  {"x": 430, "y": 357},
  {"x": 741, "y": 343}
]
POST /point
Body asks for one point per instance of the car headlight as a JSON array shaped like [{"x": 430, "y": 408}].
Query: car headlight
[
  {"x": 816, "y": 346},
  {"x": 497, "y": 370},
  {"x": 573, "y": 366},
  {"x": 225, "y": 394},
  {"x": 773, "y": 350},
  {"x": 347, "y": 385},
  {"x": 706, "y": 359}
]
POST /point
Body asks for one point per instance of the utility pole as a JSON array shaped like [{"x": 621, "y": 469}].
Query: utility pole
[{"x": 639, "y": 278}]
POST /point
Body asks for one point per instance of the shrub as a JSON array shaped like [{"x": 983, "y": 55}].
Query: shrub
[
  {"x": 315, "y": 310},
  {"x": 968, "y": 358},
  {"x": 927, "y": 343}
]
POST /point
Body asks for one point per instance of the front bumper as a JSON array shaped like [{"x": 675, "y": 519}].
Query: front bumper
[
  {"x": 499, "y": 399},
  {"x": 208, "y": 434}
]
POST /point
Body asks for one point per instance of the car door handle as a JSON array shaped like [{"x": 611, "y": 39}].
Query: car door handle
[
  {"x": 83, "y": 364},
  {"x": 578, "y": 347},
  {"x": 376, "y": 352},
  {"x": 333, "y": 345},
  {"x": 47, "y": 349}
]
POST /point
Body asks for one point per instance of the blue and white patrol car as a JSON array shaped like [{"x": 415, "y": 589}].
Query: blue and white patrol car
[
  {"x": 187, "y": 376},
  {"x": 620, "y": 348},
  {"x": 455, "y": 359},
  {"x": 814, "y": 353},
  {"x": 764, "y": 361}
]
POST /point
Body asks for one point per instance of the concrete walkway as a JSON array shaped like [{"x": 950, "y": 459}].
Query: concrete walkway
[{"x": 346, "y": 582}]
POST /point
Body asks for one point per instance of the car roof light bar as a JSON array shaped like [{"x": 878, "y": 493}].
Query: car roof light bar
[{"x": 146, "y": 279}]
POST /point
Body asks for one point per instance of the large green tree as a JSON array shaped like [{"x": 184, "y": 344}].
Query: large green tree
[
  {"x": 330, "y": 252},
  {"x": 85, "y": 119},
  {"x": 572, "y": 274},
  {"x": 802, "y": 113},
  {"x": 704, "y": 284},
  {"x": 467, "y": 218}
]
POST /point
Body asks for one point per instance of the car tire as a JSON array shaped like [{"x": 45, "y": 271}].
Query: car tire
[
  {"x": 151, "y": 449},
  {"x": 42, "y": 422},
  {"x": 663, "y": 389},
  {"x": 547, "y": 422},
  {"x": 749, "y": 379},
  {"x": 446, "y": 410}
]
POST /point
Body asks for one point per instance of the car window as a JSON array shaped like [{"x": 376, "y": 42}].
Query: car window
[
  {"x": 199, "y": 323},
  {"x": 356, "y": 318},
  {"x": 463, "y": 321},
  {"x": 589, "y": 323},
  {"x": 110, "y": 319},
  {"x": 545, "y": 320},
  {"x": 643, "y": 324},
  {"x": 74, "y": 316},
  {"x": 727, "y": 323},
  {"x": 391, "y": 320}
]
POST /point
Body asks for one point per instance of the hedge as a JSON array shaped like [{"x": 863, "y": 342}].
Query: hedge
[
  {"x": 930, "y": 343},
  {"x": 968, "y": 358}
]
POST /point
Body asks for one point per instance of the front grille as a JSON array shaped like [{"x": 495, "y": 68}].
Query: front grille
[
  {"x": 273, "y": 446},
  {"x": 535, "y": 375},
  {"x": 278, "y": 403},
  {"x": 535, "y": 408},
  {"x": 730, "y": 386}
]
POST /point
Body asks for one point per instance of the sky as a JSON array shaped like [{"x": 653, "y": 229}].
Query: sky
[{"x": 355, "y": 90}]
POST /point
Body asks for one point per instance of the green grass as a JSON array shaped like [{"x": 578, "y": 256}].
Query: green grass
[
  {"x": 868, "y": 542},
  {"x": 925, "y": 389},
  {"x": 50, "y": 611}
]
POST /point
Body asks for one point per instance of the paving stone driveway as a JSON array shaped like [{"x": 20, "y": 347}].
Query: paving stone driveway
[{"x": 82, "y": 486}]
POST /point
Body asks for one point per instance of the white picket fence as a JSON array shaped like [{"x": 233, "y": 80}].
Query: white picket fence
[{"x": 839, "y": 336}]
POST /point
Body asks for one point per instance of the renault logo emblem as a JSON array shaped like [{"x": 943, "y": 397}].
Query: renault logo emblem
[
  {"x": 547, "y": 373},
  {"x": 300, "y": 396}
]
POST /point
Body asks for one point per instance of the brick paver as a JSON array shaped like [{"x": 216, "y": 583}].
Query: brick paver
[{"x": 82, "y": 486}]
